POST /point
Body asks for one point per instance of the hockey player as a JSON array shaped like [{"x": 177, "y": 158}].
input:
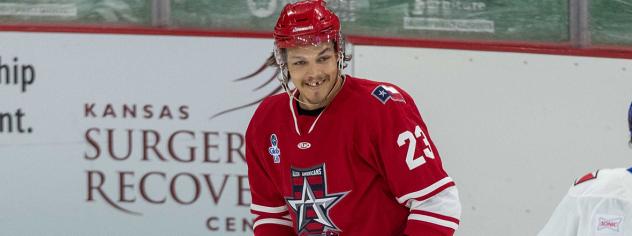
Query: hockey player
[
  {"x": 599, "y": 203},
  {"x": 340, "y": 155}
]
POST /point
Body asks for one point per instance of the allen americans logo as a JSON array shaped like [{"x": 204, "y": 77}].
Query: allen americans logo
[
  {"x": 609, "y": 224},
  {"x": 311, "y": 202},
  {"x": 385, "y": 93}
]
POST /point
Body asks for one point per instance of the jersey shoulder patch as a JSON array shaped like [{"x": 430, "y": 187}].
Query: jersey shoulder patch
[
  {"x": 586, "y": 178},
  {"x": 384, "y": 93}
]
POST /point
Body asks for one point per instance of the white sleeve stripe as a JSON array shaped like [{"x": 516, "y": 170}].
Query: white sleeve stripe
[
  {"x": 266, "y": 209},
  {"x": 444, "y": 203},
  {"x": 433, "y": 220},
  {"x": 424, "y": 191},
  {"x": 272, "y": 221}
]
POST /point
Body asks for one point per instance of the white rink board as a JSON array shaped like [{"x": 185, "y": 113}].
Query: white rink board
[
  {"x": 44, "y": 175},
  {"x": 514, "y": 130}
]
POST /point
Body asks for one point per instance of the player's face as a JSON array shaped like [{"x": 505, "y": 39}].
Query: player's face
[{"x": 313, "y": 71}]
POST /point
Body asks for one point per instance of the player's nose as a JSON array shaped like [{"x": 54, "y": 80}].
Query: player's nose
[{"x": 311, "y": 72}]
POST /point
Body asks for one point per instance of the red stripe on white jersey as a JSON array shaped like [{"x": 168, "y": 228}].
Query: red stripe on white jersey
[
  {"x": 428, "y": 191},
  {"x": 435, "y": 220},
  {"x": 435, "y": 215}
]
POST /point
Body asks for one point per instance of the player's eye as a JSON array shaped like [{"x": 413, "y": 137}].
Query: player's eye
[
  {"x": 299, "y": 63},
  {"x": 324, "y": 58}
]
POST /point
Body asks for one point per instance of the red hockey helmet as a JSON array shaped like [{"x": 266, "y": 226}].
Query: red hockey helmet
[{"x": 307, "y": 22}]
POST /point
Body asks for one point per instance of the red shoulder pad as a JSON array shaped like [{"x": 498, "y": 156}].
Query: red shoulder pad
[{"x": 587, "y": 177}]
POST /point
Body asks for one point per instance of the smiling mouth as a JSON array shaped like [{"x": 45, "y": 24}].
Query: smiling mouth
[{"x": 315, "y": 83}]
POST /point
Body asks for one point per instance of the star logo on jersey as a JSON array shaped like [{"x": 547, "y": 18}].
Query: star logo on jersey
[
  {"x": 274, "y": 150},
  {"x": 385, "y": 93},
  {"x": 311, "y": 202}
]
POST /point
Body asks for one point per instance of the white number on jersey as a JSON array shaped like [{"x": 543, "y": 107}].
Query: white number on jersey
[{"x": 411, "y": 161}]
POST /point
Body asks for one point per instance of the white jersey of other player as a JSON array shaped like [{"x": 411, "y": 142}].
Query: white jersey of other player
[{"x": 599, "y": 203}]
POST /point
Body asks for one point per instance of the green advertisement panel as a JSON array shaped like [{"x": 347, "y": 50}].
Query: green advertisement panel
[
  {"x": 529, "y": 20},
  {"x": 126, "y": 12},
  {"x": 611, "y": 22}
]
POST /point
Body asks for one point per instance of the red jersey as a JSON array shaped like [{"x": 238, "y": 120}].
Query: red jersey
[{"x": 364, "y": 166}]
